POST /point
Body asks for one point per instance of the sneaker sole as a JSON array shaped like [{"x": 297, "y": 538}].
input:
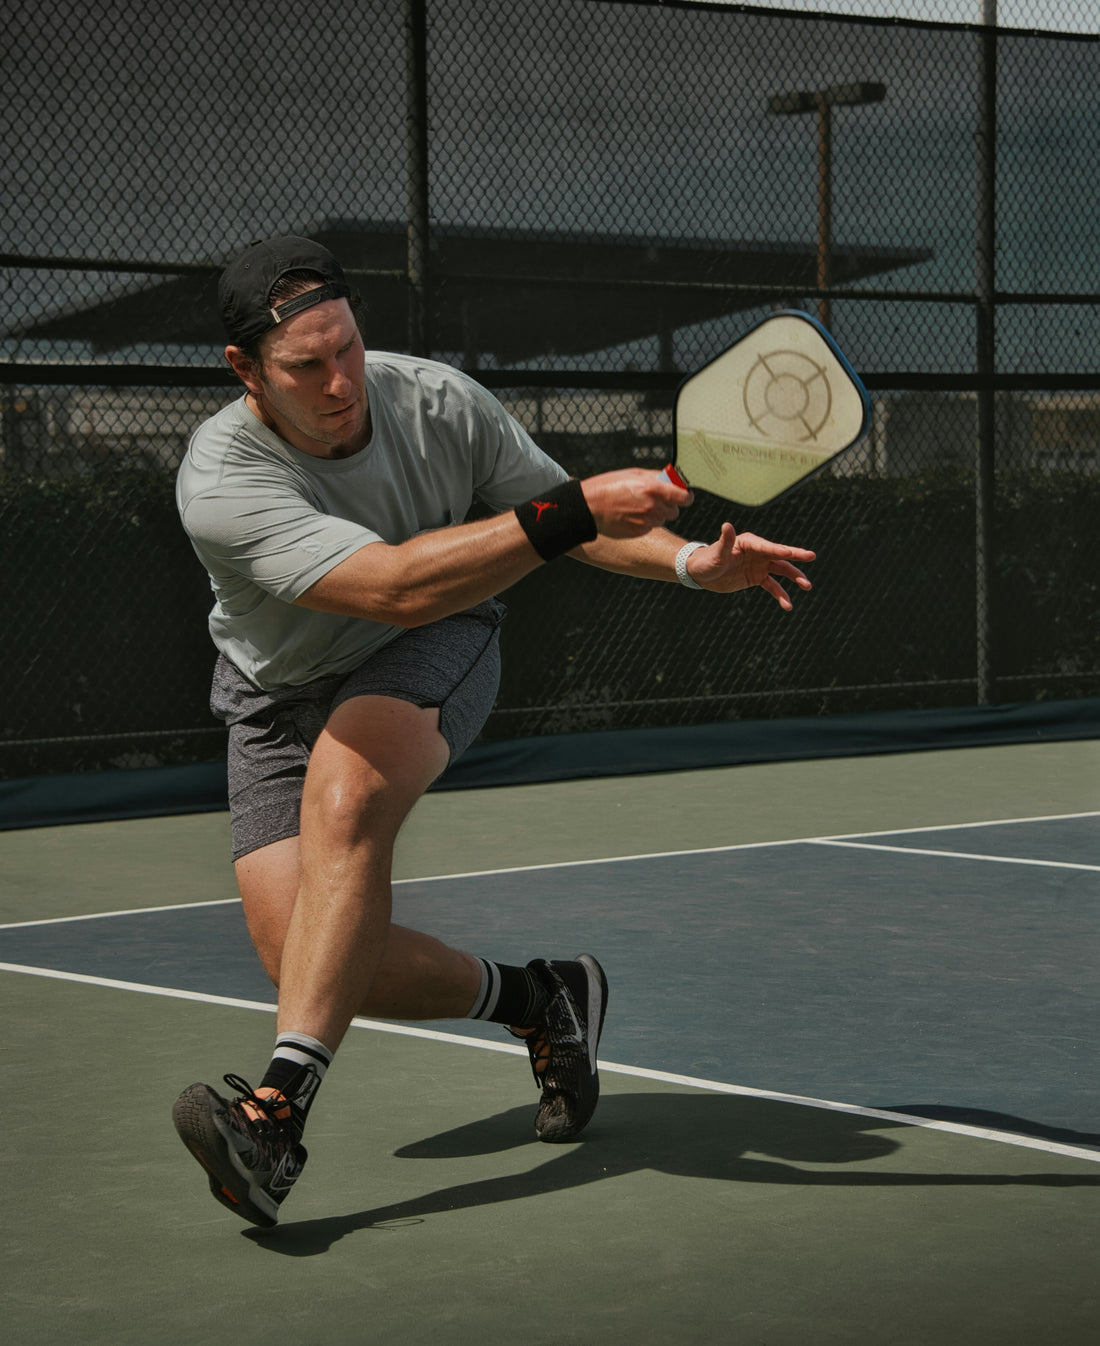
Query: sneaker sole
[
  {"x": 194, "y": 1114},
  {"x": 596, "y": 1004}
]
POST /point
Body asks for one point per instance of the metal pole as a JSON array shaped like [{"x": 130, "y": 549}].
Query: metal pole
[
  {"x": 821, "y": 102},
  {"x": 986, "y": 324},
  {"x": 416, "y": 167},
  {"x": 824, "y": 206}
]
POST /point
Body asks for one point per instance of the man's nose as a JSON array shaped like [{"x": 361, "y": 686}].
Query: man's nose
[{"x": 337, "y": 383}]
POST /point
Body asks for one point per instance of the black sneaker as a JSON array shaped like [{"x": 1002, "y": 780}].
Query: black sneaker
[
  {"x": 562, "y": 1046},
  {"x": 252, "y": 1164}
]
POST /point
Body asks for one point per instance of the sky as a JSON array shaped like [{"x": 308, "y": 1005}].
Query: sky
[{"x": 1063, "y": 16}]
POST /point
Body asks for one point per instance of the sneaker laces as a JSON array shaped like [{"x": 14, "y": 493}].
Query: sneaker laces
[
  {"x": 269, "y": 1131},
  {"x": 538, "y": 1049},
  {"x": 537, "y": 1038}
]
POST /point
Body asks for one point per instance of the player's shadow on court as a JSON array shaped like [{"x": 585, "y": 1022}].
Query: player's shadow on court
[{"x": 713, "y": 1136}]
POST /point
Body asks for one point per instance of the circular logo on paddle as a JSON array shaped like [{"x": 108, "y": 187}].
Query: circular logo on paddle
[{"x": 787, "y": 396}]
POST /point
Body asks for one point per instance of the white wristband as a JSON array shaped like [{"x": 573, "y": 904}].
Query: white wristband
[{"x": 682, "y": 564}]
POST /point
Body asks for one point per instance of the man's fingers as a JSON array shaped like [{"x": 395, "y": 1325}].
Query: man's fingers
[
  {"x": 791, "y": 572},
  {"x": 750, "y": 544},
  {"x": 773, "y": 587},
  {"x": 762, "y": 547},
  {"x": 632, "y": 501},
  {"x": 740, "y": 561}
]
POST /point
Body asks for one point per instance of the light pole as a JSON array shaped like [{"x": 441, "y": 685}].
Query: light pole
[
  {"x": 822, "y": 102},
  {"x": 986, "y": 354}
]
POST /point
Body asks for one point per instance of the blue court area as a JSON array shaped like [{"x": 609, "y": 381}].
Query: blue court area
[{"x": 948, "y": 973}]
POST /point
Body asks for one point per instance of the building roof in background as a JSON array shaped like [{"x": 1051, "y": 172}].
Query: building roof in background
[{"x": 512, "y": 295}]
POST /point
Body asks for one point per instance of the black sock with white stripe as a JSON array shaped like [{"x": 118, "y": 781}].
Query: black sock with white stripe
[
  {"x": 508, "y": 995},
  {"x": 297, "y": 1068}
]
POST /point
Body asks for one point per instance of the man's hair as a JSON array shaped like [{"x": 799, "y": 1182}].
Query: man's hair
[{"x": 287, "y": 287}]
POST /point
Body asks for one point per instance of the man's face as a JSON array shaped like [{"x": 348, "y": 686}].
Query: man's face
[{"x": 309, "y": 386}]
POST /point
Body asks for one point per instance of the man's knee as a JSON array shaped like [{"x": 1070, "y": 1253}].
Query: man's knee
[
  {"x": 373, "y": 761},
  {"x": 351, "y": 807}
]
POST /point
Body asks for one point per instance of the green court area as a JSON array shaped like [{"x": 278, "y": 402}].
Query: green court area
[{"x": 707, "y": 1201}]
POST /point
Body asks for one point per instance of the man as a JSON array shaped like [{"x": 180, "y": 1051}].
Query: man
[{"x": 356, "y": 620}]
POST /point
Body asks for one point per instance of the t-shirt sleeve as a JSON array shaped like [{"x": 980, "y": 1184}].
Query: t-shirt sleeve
[
  {"x": 276, "y": 540},
  {"x": 509, "y": 467}
]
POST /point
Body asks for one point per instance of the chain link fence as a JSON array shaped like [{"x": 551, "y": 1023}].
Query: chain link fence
[{"x": 577, "y": 201}]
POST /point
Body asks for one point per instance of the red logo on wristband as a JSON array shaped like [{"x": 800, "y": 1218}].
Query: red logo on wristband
[{"x": 540, "y": 505}]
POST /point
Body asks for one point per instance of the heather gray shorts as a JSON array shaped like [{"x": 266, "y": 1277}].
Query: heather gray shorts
[{"x": 453, "y": 664}]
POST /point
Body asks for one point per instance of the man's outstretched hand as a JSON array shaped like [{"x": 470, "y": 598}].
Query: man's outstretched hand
[{"x": 744, "y": 561}]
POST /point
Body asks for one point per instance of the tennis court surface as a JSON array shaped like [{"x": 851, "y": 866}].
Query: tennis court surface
[{"x": 849, "y": 1083}]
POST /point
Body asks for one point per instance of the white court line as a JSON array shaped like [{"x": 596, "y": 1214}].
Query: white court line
[
  {"x": 836, "y": 838},
  {"x": 426, "y": 878},
  {"x": 634, "y": 1072},
  {"x": 753, "y": 845},
  {"x": 112, "y": 984},
  {"x": 955, "y": 855},
  {"x": 132, "y": 911},
  {"x": 962, "y": 827}
]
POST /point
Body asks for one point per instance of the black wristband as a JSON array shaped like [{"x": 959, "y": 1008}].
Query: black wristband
[{"x": 557, "y": 521}]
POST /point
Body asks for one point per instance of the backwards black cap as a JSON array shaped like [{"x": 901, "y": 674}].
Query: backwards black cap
[{"x": 246, "y": 284}]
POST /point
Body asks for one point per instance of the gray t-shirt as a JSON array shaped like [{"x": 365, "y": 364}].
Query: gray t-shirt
[{"x": 267, "y": 521}]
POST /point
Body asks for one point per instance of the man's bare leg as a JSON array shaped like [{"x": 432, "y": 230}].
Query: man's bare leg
[
  {"x": 419, "y": 977},
  {"x": 318, "y": 908},
  {"x": 373, "y": 761}
]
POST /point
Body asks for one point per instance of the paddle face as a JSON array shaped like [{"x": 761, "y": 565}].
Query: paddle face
[{"x": 771, "y": 409}]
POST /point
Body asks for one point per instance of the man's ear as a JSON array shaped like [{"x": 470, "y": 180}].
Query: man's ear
[{"x": 245, "y": 367}]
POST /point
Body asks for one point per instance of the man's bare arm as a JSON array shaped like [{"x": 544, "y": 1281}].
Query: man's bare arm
[
  {"x": 444, "y": 571},
  {"x": 734, "y": 561}
]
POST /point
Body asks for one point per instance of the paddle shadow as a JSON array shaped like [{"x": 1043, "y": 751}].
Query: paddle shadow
[{"x": 990, "y": 1120}]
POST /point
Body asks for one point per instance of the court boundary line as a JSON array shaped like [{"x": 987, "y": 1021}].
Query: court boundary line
[
  {"x": 954, "y": 855},
  {"x": 130, "y": 911},
  {"x": 835, "y": 839},
  {"x": 610, "y": 1067},
  {"x": 756, "y": 845}
]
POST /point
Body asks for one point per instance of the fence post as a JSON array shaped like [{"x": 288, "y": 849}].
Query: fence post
[
  {"x": 416, "y": 173},
  {"x": 986, "y": 321}
]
